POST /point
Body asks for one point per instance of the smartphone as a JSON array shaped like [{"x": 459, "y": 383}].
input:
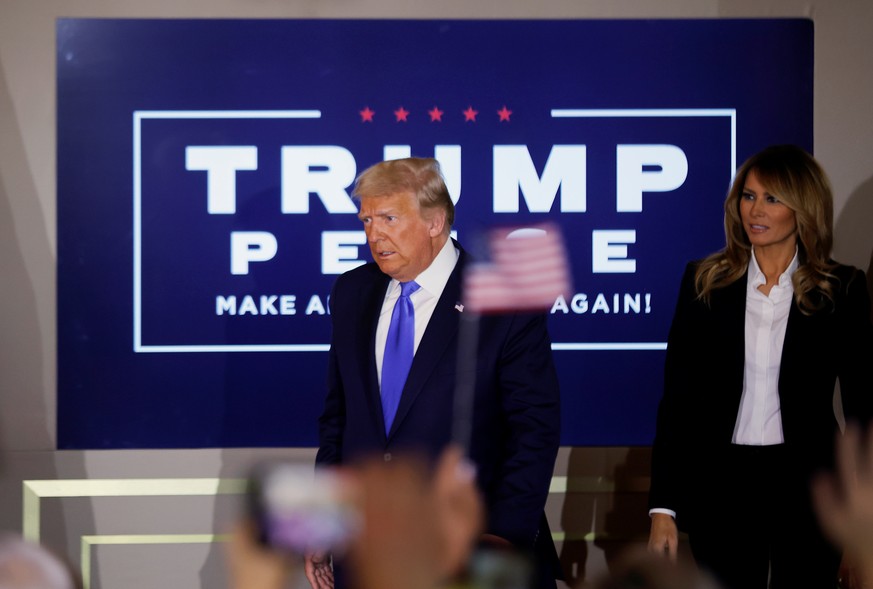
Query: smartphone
[{"x": 299, "y": 509}]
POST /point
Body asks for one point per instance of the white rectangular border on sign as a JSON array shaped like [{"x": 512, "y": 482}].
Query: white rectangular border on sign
[
  {"x": 576, "y": 113},
  {"x": 140, "y": 115}
]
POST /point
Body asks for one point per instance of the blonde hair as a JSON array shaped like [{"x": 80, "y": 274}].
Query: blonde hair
[
  {"x": 799, "y": 182},
  {"x": 419, "y": 176}
]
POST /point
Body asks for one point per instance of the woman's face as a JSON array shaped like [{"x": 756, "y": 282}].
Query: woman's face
[{"x": 768, "y": 223}]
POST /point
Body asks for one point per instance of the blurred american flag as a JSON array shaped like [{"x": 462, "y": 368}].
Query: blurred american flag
[{"x": 528, "y": 270}]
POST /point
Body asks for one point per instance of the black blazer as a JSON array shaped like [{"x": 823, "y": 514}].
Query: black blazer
[
  {"x": 703, "y": 384},
  {"x": 516, "y": 419}
]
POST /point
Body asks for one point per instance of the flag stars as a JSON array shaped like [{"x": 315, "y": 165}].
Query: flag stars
[
  {"x": 367, "y": 115},
  {"x": 436, "y": 115},
  {"x": 401, "y": 115},
  {"x": 470, "y": 114},
  {"x": 504, "y": 114}
]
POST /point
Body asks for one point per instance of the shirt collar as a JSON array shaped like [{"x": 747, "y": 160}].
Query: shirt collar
[
  {"x": 757, "y": 278},
  {"x": 434, "y": 278}
]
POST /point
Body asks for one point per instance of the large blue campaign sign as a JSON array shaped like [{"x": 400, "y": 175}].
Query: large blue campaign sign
[{"x": 204, "y": 170}]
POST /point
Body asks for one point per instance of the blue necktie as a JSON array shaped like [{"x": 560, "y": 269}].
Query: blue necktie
[{"x": 398, "y": 352}]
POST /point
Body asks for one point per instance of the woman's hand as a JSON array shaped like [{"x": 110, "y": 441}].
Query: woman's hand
[{"x": 664, "y": 536}]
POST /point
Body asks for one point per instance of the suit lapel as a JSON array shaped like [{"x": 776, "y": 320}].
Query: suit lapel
[
  {"x": 371, "y": 305},
  {"x": 799, "y": 329},
  {"x": 796, "y": 325},
  {"x": 731, "y": 302},
  {"x": 440, "y": 334}
]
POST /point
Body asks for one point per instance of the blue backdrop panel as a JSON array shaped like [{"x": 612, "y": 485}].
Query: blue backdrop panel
[{"x": 203, "y": 211}]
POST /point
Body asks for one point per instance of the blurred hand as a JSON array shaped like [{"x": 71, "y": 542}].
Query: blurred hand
[
  {"x": 639, "y": 567},
  {"x": 848, "y": 577},
  {"x": 457, "y": 508},
  {"x": 417, "y": 529},
  {"x": 398, "y": 539},
  {"x": 253, "y": 566},
  {"x": 664, "y": 536},
  {"x": 844, "y": 501}
]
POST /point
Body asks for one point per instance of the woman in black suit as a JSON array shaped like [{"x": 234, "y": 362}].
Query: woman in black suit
[{"x": 762, "y": 331}]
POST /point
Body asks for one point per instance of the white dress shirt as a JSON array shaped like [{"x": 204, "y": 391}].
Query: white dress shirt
[
  {"x": 432, "y": 282},
  {"x": 759, "y": 420}
]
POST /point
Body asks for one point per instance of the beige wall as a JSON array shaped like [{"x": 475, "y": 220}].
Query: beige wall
[{"x": 605, "y": 500}]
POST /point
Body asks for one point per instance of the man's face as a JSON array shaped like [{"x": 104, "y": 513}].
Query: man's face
[{"x": 402, "y": 242}]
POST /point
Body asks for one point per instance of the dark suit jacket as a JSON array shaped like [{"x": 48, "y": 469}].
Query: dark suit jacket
[
  {"x": 516, "y": 419},
  {"x": 703, "y": 384}
]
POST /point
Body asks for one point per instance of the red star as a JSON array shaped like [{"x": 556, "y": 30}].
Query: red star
[
  {"x": 435, "y": 114},
  {"x": 504, "y": 113},
  {"x": 401, "y": 114},
  {"x": 470, "y": 114},
  {"x": 367, "y": 115}
]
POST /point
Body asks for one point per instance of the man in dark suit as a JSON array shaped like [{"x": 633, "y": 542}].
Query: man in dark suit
[{"x": 407, "y": 215}]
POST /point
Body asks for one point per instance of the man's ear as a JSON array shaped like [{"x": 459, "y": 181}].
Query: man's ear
[{"x": 437, "y": 223}]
